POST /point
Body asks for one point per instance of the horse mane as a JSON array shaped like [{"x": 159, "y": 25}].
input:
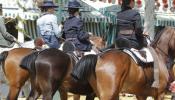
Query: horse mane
[
  {"x": 4, "y": 55},
  {"x": 157, "y": 36},
  {"x": 85, "y": 66}
]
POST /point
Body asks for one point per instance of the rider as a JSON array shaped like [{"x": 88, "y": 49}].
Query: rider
[
  {"x": 130, "y": 28},
  {"x": 6, "y": 39},
  {"x": 73, "y": 28},
  {"x": 130, "y": 33},
  {"x": 47, "y": 26}
]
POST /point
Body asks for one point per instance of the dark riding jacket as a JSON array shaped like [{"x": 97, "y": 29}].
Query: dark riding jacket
[
  {"x": 129, "y": 24},
  {"x": 73, "y": 31}
]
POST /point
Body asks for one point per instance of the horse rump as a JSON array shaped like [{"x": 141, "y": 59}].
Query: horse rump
[{"x": 84, "y": 67}]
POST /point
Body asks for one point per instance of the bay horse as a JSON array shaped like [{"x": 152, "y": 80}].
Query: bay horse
[
  {"x": 47, "y": 70},
  {"x": 15, "y": 76},
  {"x": 114, "y": 71}
]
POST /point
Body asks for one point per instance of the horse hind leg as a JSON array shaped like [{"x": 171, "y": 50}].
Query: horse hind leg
[
  {"x": 141, "y": 97},
  {"x": 34, "y": 94},
  {"x": 76, "y": 97},
  {"x": 13, "y": 93},
  {"x": 90, "y": 96},
  {"x": 63, "y": 93}
]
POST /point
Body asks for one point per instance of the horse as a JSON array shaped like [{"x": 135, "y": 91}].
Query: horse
[
  {"x": 15, "y": 76},
  {"x": 114, "y": 71},
  {"x": 47, "y": 70}
]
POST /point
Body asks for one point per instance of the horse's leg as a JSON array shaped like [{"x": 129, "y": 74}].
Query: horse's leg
[
  {"x": 111, "y": 89},
  {"x": 13, "y": 92},
  {"x": 160, "y": 96},
  {"x": 76, "y": 97},
  {"x": 141, "y": 97},
  {"x": 63, "y": 93},
  {"x": 34, "y": 94},
  {"x": 90, "y": 96},
  {"x": 47, "y": 95}
]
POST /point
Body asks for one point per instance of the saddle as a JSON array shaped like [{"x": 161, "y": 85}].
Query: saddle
[{"x": 141, "y": 57}]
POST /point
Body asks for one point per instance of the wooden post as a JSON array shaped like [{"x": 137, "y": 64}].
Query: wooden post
[
  {"x": 20, "y": 22},
  {"x": 149, "y": 18},
  {"x": 20, "y": 33}
]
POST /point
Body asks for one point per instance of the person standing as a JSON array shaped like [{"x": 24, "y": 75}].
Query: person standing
[{"x": 47, "y": 26}]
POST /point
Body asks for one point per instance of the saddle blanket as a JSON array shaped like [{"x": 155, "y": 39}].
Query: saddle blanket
[{"x": 134, "y": 53}]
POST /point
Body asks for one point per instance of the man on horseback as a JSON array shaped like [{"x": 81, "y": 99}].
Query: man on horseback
[
  {"x": 130, "y": 28},
  {"x": 47, "y": 26},
  {"x": 73, "y": 28}
]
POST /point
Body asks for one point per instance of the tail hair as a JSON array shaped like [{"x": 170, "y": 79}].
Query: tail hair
[
  {"x": 84, "y": 68},
  {"x": 3, "y": 57}
]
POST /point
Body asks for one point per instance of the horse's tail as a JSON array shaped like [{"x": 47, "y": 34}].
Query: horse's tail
[
  {"x": 28, "y": 62},
  {"x": 3, "y": 57},
  {"x": 84, "y": 68}
]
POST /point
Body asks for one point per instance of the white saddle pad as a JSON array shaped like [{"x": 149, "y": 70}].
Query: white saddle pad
[{"x": 147, "y": 59}]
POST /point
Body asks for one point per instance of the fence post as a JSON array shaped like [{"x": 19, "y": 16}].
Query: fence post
[{"x": 149, "y": 18}]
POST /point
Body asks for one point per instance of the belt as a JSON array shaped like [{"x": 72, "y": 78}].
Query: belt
[
  {"x": 126, "y": 31},
  {"x": 69, "y": 39}
]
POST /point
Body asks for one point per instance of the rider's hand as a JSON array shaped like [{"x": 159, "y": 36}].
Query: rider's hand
[
  {"x": 145, "y": 33},
  {"x": 90, "y": 34},
  {"x": 16, "y": 41}
]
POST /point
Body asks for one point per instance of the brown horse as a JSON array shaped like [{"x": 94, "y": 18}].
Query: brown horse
[
  {"x": 15, "y": 76},
  {"x": 114, "y": 71},
  {"x": 47, "y": 70}
]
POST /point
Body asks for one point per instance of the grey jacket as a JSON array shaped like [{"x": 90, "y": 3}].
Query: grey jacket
[{"x": 6, "y": 39}]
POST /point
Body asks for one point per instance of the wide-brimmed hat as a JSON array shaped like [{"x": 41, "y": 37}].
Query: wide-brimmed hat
[
  {"x": 48, "y": 4},
  {"x": 74, "y": 4}
]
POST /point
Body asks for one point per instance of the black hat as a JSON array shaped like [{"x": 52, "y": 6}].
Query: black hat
[
  {"x": 74, "y": 4},
  {"x": 48, "y": 4}
]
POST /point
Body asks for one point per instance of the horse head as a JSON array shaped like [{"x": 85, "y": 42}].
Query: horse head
[{"x": 98, "y": 42}]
